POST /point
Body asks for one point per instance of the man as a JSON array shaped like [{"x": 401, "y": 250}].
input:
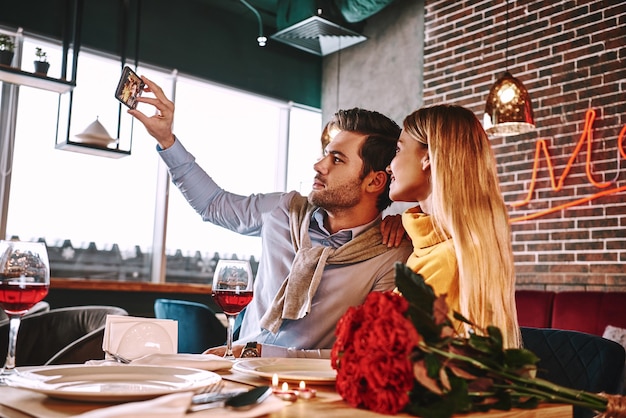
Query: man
[{"x": 320, "y": 255}]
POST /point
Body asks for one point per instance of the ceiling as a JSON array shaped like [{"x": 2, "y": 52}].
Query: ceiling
[
  {"x": 353, "y": 10},
  {"x": 320, "y": 27},
  {"x": 266, "y": 8}
]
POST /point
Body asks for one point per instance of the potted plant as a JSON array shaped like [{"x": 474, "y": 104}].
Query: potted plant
[
  {"x": 41, "y": 63},
  {"x": 6, "y": 50}
]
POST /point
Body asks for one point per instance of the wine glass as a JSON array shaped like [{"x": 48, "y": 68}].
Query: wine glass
[
  {"x": 232, "y": 291},
  {"x": 24, "y": 281}
]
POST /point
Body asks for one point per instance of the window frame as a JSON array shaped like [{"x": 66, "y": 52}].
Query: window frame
[{"x": 162, "y": 182}]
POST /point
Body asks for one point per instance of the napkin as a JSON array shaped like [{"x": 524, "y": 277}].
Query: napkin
[
  {"x": 176, "y": 405},
  {"x": 132, "y": 337},
  {"x": 209, "y": 362}
]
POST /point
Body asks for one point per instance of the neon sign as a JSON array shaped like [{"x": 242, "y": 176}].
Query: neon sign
[{"x": 542, "y": 146}]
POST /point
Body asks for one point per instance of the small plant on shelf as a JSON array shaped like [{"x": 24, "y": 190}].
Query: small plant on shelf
[
  {"x": 41, "y": 64},
  {"x": 41, "y": 55},
  {"x": 7, "y": 47}
]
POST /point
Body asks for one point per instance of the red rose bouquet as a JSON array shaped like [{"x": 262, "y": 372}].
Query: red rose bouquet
[{"x": 399, "y": 353}]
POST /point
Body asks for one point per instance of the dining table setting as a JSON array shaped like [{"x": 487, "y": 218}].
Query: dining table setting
[
  {"x": 143, "y": 375},
  {"x": 193, "y": 385}
]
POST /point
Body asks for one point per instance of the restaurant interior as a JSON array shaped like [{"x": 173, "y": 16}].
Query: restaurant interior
[{"x": 560, "y": 175}]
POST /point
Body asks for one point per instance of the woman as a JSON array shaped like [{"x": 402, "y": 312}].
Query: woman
[{"x": 460, "y": 229}]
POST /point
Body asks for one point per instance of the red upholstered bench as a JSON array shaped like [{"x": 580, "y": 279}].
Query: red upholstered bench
[
  {"x": 534, "y": 308},
  {"x": 588, "y": 312}
]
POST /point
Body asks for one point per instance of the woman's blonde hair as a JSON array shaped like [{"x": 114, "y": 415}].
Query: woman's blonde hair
[{"x": 467, "y": 205}]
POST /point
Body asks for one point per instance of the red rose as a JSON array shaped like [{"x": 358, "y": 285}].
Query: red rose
[{"x": 371, "y": 354}]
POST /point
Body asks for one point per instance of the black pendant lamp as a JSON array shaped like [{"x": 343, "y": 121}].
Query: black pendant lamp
[{"x": 508, "y": 110}]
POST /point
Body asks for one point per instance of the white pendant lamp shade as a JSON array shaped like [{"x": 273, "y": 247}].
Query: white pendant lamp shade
[
  {"x": 95, "y": 134},
  {"x": 508, "y": 110}
]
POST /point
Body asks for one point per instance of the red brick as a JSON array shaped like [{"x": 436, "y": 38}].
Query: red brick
[{"x": 596, "y": 257}]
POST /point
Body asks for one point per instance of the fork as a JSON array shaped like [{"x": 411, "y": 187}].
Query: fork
[{"x": 210, "y": 393}]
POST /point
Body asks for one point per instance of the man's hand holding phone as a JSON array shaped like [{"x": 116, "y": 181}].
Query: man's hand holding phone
[{"x": 160, "y": 124}]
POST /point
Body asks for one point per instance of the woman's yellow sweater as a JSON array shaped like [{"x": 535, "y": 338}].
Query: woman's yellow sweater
[{"x": 433, "y": 256}]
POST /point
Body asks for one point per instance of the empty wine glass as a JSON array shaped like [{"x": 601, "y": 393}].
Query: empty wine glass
[
  {"x": 24, "y": 281},
  {"x": 232, "y": 291}
]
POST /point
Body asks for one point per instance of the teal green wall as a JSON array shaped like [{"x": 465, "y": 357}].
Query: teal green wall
[{"x": 189, "y": 37}]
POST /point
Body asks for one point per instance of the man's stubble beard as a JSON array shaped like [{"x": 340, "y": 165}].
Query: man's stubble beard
[{"x": 344, "y": 196}]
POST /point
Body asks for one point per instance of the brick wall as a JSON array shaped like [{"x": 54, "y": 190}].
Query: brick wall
[{"x": 571, "y": 56}]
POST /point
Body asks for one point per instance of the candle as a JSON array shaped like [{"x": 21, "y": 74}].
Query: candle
[
  {"x": 304, "y": 392},
  {"x": 284, "y": 393}
]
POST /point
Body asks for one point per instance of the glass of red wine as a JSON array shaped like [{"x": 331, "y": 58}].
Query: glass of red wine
[
  {"x": 24, "y": 281},
  {"x": 232, "y": 291}
]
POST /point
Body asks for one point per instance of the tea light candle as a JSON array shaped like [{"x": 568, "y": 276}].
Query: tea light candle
[
  {"x": 284, "y": 393},
  {"x": 274, "y": 381},
  {"x": 304, "y": 392}
]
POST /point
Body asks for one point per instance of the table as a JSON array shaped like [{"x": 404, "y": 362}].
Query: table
[{"x": 327, "y": 404}]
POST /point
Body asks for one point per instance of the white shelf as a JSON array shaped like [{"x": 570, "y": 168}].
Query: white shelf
[
  {"x": 92, "y": 149},
  {"x": 23, "y": 78}
]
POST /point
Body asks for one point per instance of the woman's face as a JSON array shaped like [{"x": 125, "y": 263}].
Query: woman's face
[{"x": 410, "y": 171}]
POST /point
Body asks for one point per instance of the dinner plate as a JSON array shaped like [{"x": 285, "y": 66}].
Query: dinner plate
[
  {"x": 112, "y": 383},
  {"x": 289, "y": 369}
]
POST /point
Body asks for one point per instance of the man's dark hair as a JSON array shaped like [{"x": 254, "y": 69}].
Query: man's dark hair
[{"x": 379, "y": 147}]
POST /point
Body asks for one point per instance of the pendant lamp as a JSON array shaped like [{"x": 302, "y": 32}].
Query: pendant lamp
[
  {"x": 508, "y": 110},
  {"x": 96, "y": 134}
]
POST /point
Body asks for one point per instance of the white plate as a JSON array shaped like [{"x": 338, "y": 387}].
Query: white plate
[
  {"x": 315, "y": 371},
  {"x": 112, "y": 383}
]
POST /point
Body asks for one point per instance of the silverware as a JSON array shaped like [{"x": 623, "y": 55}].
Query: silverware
[
  {"x": 239, "y": 401},
  {"x": 212, "y": 393}
]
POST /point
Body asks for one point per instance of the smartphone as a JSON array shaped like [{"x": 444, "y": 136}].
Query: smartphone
[{"x": 129, "y": 88}]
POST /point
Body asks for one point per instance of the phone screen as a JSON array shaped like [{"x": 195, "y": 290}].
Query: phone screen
[{"x": 129, "y": 88}]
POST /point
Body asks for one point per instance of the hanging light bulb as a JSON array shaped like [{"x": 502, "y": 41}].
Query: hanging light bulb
[
  {"x": 508, "y": 110},
  {"x": 261, "y": 39}
]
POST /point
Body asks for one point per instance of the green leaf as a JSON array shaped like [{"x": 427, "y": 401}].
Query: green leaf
[
  {"x": 518, "y": 358},
  {"x": 428, "y": 405},
  {"x": 432, "y": 365},
  {"x": 414, "y": 288},
  {"x": 482, "y": 344},
  {"x": 504, "y": 403},
  {"x": 496, "y": 337},
  {"x": 421, "y": 298},
  {"x": 461, "y": 318},
  {"x": 424, "y": 323}
]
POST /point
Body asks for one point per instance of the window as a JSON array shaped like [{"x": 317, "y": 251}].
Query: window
[{"x": 99, "y": 216}]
